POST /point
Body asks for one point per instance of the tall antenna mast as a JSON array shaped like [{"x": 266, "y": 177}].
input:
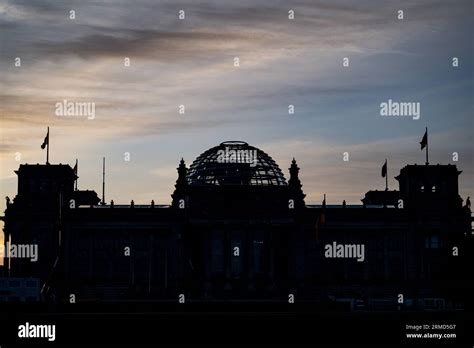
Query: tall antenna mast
[{"x": 103, "y": 182}]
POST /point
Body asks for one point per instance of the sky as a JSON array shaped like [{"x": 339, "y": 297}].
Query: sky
[{"x": 191, "y": 62}]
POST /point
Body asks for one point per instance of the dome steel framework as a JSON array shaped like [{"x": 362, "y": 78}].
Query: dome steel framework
[{"x": 235, "y": 163}]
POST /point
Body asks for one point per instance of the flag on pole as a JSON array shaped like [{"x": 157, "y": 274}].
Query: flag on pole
[
  {"x": 46, "y": 140},
  {"x": 384, "y": 169},
  {"x": 424, "y": 141},
  {"x": 320, "y": 221},
  {"x": 75, "y": 174},
  {"x": 316, "y": 229}
]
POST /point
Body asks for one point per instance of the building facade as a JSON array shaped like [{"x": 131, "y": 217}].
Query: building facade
[{"x": 236, "y": 229}]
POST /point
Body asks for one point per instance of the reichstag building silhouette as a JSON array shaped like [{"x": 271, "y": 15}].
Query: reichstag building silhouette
[{"x": 237, "y": 228}]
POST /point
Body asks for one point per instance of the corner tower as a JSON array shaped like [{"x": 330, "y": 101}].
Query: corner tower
[{"x": 430, "y": 187}]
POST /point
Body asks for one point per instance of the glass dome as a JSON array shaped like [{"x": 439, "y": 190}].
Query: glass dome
[{"x": 235, "y": 163}]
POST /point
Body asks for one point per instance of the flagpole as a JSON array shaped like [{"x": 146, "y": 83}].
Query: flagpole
[
  {"x": 386, "y": 176},
  {"x": 76, "y": 176},
  {"x": 103, "y": 181},
  {"x": 47, "y": 149},
  {"x": 427, "y": 146}
]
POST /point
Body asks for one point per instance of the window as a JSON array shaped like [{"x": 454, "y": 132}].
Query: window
[
  {"x": 434, "y": 303},
  {"x": 433, "y": 189},
  {"x": 422, "y": 188},
  {"x": 432, "y": 242},
  {"x": 14, "y": 283},
  {"x": 30, "y": 284},
  {"x": 217, "y": 253},
  {"x": 258, "y": 252},
  {"x": 237, "y": 260}
]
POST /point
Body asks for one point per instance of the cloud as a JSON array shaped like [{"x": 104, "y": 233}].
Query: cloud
[
  {"x": 162, "y": 45},
  {"x": 190, "y": 62}
]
